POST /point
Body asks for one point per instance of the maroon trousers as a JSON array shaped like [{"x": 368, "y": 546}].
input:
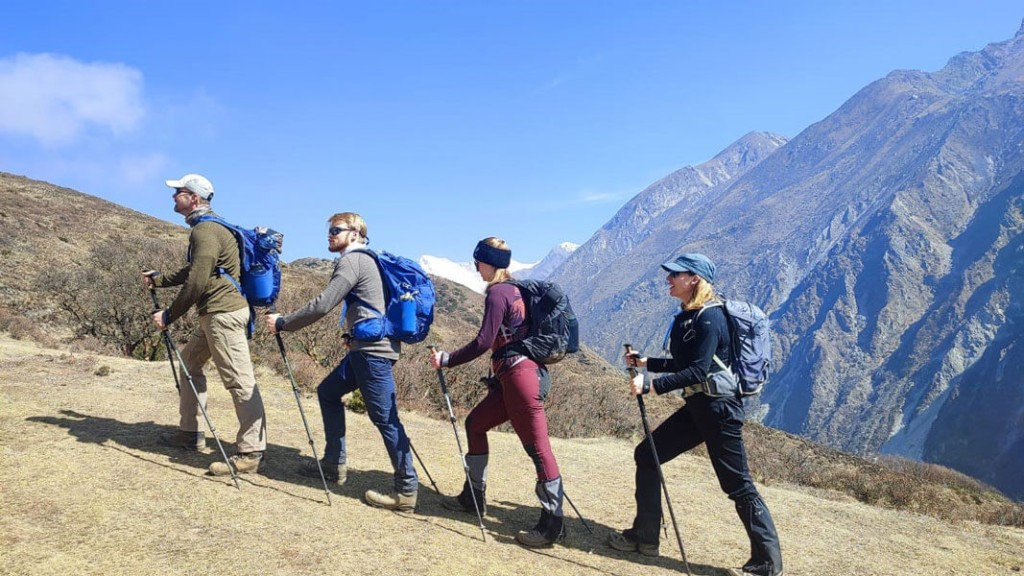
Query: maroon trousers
[{"x": 517, "y": 400}]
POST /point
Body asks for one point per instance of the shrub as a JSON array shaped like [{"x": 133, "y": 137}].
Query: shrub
[
  {"x": 103, "y": 298},
  {"x": 355, "y": 402}
]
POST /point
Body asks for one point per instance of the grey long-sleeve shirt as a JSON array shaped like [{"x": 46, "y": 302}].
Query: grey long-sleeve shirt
[{"x": 356, "y": 273}]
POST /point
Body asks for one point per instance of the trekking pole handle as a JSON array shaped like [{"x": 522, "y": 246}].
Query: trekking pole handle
[
  {"x": 152, "y": 288},
  {"x": 444, "y": 387},
  {"x": 630, "y": 352}
]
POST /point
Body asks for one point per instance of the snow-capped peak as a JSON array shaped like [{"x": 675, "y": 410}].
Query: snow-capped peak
[{"x": 464, "y": 273}]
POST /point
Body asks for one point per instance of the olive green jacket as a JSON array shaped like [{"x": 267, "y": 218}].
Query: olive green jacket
[{"x": 210, "y": 246}]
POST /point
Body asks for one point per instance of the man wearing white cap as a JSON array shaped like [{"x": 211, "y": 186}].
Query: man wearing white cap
[{"x": 221, "y": 333}]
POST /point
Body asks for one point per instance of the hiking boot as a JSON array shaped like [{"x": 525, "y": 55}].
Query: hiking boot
[
  {"x": 464, "y": 501},
  {"x": 391, "y": 500},
  {"x": 626, "y": 541},
  {"x": 743, "y": 572},
  {"x": 181, "y": 439},
  {"x": 549, "y": 529},
  {"x": 244, "y": 463},
  {"x": 754, "y": 570},
  {"x": 333, "y": 472}
]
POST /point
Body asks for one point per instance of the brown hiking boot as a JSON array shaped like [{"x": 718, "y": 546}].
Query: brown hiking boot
[
  {"x": 333, "y": 472},
  {"x": 391, "y": 500},
  {"x": 246, "y": 463},
  {"x": 182, "y": 439},
  {"x": 625, "y": 541}
]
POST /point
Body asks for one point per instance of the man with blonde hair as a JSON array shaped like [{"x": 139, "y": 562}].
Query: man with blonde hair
[{"x": 367, "y": 366}]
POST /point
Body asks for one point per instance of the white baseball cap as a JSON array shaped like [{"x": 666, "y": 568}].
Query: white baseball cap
[{"x": 195, "y": 184}]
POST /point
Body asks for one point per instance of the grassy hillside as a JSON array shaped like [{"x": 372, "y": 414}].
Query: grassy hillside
[{"x": 87, "y": 490}]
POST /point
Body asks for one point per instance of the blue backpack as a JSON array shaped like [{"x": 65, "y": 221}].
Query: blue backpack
[
  {"x": 259, "y": 250},
  {"x": 408, "y": 302}
]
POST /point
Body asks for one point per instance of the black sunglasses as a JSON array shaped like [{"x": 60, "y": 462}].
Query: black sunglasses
[{"x": 335, "y": 230}]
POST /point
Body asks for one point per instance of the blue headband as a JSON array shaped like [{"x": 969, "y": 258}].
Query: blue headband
[{"x": 490, "y": 255}]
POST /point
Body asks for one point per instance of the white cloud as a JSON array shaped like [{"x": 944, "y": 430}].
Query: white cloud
[
  {"x": 55, "y": 99},
  {"x": 596, "y": 197}
]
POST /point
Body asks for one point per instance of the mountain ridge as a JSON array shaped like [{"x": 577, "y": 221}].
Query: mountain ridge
[{"x": 885, "y": 242}]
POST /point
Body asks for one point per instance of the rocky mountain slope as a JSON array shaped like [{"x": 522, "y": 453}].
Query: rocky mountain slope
[{"x": 885, "y": 241}]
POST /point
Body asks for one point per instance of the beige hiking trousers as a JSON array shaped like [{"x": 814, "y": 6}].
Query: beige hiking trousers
[{"x": 221, "y": 337}]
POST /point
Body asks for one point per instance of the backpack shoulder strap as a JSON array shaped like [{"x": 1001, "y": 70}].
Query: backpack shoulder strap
[
  {"x": 714, "y": 304},
  {"x": 238, "y": 241},
  {"x": 383, "y": 283}
]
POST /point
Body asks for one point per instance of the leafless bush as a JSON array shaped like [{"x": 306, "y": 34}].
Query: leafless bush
[
  {"x": 104, "y": 299},
  {"x": 22, "y": 328}
]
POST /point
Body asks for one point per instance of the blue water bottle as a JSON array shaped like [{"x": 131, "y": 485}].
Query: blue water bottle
[{"x": 407, "y": 324}]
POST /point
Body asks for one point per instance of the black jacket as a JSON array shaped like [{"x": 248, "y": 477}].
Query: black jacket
[{"x": 693, "y": 342}]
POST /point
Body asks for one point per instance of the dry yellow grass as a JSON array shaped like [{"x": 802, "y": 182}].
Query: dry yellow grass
[{"x": 85, "y": 489}]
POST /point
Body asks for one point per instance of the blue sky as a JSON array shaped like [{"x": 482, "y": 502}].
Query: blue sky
[{"x": 441, "y": 122}]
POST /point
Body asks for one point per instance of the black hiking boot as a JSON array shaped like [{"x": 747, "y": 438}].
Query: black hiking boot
[
  {"x": 464, "y": 501},
  {"x": 549, "y": 529},
  {"x": 627, "y": 541},
  {"x": 753, "y": 570}
]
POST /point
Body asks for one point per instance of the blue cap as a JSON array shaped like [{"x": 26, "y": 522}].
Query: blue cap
[{"x": 698, "y": 264}]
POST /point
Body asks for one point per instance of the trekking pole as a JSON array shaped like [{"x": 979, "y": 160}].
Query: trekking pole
[
  {"x": 577, "y": 510},
  {"x": 174, "y": 371},
  {"x": 465, "y": 465},
  {"x": 424, "y": 466},
  {"x": 657, "y": 462},
  {"x": 169, "y": 342},
  {"x": 302, "y": 413}
]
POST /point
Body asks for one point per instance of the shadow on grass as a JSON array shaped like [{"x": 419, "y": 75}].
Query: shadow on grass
[
  {"x": 504, "y": 519},
  {"x": 501, "y": 522},
  {"x": 514, "y": 516},
  {"x": 281, "y": 463}
]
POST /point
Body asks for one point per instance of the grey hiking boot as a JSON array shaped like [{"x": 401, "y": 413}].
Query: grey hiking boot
[
  {"x": 626, "y": 541},
  {"x": 391, "y": 500},
  {"x": 244, "y": 463},
  {"x": 333, "y": 472},
  {"x": 549, "y": 529},
  {"x": 182, "y": 439}
]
